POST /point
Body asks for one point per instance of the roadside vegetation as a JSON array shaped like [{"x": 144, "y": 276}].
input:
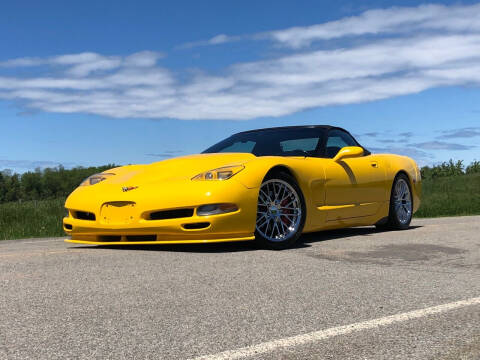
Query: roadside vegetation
[
  {"x": 450, "y": 189},
  {"x": 32, "y": 204},
  {"x": 34, "y": 218}
]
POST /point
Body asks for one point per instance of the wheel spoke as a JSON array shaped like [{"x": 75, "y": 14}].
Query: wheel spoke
[
  {"x": 290, "y": 203},
  {"x": 265, "y": 196},
  {"x": 260, "y": 218},
  {"x": 275, "y": 227},
  {"x": 282, "y": 194},
  {"x": 277, "y": 196},
  {"x": 272, "y": 222},
  {"x": 265, "y": 221},
  {"x": 289, "y": 208},
  {"x": 290, "y": 215}
]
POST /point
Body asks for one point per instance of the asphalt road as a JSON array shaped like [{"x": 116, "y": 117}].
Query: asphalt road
[{"x": 349, "y": 294}]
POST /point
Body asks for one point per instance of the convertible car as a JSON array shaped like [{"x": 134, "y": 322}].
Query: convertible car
[{"x": 268, "y": 185}]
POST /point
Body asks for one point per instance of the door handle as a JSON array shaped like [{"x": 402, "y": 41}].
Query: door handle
[{"x": 374, "y": 164}]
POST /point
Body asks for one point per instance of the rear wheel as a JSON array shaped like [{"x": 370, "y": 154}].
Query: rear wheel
[
  {"x": 280, "y": 212},
  {"x": 401, "y": 205}
]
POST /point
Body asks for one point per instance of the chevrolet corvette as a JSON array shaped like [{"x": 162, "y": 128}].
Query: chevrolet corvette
[{"x": 268, "y": 185}]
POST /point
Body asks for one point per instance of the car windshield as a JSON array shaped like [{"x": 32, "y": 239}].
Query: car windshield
[{"x": 273, "y": 142}]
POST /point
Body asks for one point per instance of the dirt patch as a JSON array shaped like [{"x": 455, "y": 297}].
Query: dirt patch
[{"x": 390, "y": 254}]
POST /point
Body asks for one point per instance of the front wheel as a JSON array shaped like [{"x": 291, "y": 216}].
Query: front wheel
[{"x": 280, "y": 212}]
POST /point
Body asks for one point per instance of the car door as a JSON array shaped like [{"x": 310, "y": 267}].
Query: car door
[{"x": 353, "y": 186}]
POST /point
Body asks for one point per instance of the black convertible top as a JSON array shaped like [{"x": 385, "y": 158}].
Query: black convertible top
[
  {"x": 265, "y": 147},
  {"x": 293, "y": 127}
]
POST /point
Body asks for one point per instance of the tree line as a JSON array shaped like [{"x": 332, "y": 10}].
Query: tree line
[
  {"x": 449, "y": 168},
  {"x": 43, "y": 184}
]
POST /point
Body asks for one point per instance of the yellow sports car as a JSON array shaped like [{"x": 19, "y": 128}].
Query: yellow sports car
[{"x": 269, "y": 185}]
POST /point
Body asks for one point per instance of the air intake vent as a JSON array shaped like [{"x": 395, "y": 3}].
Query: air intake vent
[
  {"x": 109, "y": 238},
  {"x": 196, "y": 226},
  {"x": 141, "y": 237},
  {"x": 171, "y": 214},
  {"x": 83, "y": 215}
]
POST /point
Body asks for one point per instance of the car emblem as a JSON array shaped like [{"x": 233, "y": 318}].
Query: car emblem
[{"x": 128, "y": 188}]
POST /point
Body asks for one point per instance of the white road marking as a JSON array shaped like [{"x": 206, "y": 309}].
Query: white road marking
[{"x": 335, "y": 331}]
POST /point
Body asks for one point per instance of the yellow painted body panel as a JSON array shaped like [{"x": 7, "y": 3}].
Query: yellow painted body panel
[{"x": 351, "y": 192}]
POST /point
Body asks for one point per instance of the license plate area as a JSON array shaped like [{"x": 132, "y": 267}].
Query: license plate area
[{"x": 118, "y": 212}]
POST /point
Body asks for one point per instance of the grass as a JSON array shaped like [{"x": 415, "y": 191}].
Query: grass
[
  {"x": 448, "y": 196},
  {"x": 20, "y": 220}
]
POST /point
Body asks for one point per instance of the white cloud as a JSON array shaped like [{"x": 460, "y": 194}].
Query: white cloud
[
  {"x": 143, "y": 59},
  {"x": 445, "y": 53},
  {"x": 220, "y": 39},
  {"x": 216, "y": 40},
  {"x": 20, "y": 166},
  {"x": 385, "y": 21},
  {"x": 467, "y": 132},
  {"x": 441, "y": 145},
  {"x": 420, "y": 156},
  {"x": 20, "y": 62},
  {"x": 390, "y": 21},
  {"x": 82, "y": 64}
]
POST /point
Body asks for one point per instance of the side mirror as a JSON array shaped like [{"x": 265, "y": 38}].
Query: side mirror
[{"x": 348, "y": 152}]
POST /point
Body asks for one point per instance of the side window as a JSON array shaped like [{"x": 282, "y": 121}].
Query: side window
[
  {"x": 300, "y": 146},
  {"x": 336, "y": 140}
]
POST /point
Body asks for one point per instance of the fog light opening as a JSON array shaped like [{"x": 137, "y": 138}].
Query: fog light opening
[
  {"x": 196, "y": 226},
  {"x": 215, "y": 209},
  {"x": 68, "y": 226}
]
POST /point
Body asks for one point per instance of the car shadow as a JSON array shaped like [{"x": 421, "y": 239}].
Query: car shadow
[
  {"x": 328, "y": 235},
  {"x": 226, "y": 247},
  {"x": 242, "y": 246}
]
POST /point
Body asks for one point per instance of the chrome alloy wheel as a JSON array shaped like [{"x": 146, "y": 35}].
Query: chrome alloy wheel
[
  {"x": 279, "y": 211},
  {"x": 402, "y": 201}
]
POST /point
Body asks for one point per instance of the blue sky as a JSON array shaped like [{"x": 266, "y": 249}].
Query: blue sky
[{"x": 89, "y": 83}]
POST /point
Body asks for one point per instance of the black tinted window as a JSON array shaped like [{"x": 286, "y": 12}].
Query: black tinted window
[
  {"x": 336, "y": 140},
  {"x": 274, "y": 142},
  {"x": 240, "y": 146}
]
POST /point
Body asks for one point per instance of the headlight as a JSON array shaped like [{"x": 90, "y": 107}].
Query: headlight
[
  {"x": 95, "y": 179},
  {"x": 222, "y": 173}
]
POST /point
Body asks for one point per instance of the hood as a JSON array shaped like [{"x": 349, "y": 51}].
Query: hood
[{"x": 180, "y": 168}]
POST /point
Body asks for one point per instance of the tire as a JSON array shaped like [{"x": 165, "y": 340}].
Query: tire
[
  {"x": 281, "y": 212},
  {"x": 401, "y": 205}
]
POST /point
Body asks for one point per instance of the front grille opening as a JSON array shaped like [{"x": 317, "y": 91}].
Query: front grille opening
[
  {"x": 68, "y": 226},
  {"x": 83, "y": 215},
  {"x": 170, "y": 214},
  {"x": 110, "y": 238},
  {"x": 141, "y": 237},
  {"x": 196, "y": 226}
]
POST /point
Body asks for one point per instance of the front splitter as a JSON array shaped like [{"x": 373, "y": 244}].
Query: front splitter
[{"x": 161, "y": 242}]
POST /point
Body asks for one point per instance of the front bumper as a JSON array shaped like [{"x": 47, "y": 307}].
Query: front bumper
[{"x": 131, "y": 225}]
